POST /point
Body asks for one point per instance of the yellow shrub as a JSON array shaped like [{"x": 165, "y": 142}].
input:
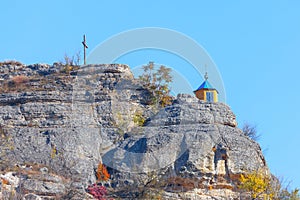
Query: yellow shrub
[
  {"x": 53, "y": 152},
  {"x": 139, "y": 119},
  {"x": 258, "y": 184}
]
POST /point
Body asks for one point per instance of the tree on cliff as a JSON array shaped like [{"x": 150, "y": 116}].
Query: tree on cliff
[
  {"x": 157, "y": 81},
  {"x": 262, "y": 186},
  {"x": 251, "y": 131}
]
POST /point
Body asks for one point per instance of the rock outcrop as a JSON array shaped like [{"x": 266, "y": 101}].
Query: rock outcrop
[
  {"x": 58, "y": 124},
  {"x": 189, "y": 146}
]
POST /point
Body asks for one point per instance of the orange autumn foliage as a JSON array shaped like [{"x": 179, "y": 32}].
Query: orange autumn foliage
[
  {"x": 4, "y": 181},
  {"x": 102, "y": 173}
]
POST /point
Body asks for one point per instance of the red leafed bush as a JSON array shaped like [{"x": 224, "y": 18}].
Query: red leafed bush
[{"x": 98, "y": 191}]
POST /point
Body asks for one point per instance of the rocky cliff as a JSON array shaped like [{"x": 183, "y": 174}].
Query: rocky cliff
[{"x": 57, "y": 123}]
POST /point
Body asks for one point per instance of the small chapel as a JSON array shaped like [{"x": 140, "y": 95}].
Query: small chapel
[{"x": 206, "y": 92}]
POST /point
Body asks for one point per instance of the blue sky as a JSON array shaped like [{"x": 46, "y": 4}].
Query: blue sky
[{"x": 255, "y": 45}]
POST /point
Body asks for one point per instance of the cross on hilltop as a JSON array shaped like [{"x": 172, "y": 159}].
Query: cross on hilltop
[{"x": 84, "y": 49}]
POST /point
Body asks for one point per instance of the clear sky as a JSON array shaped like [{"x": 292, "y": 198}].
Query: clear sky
[{"x": 255, "y": 45}]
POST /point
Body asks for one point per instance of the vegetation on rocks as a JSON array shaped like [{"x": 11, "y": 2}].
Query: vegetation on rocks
[
  {"x": 285, "y": 194},
  {"x": 251, "y": 131},
  {"x": 258, "y": 184},
  {"x": 73, "y": 60},
  {"x": 11, "y": 62},
  {"x": 98, "y": 190},
  {"x": 102, "y": 173},
  {"x": 264, "y": 186},
  {"x": 138, "y": 118},
  {"x": 189, "y": 149},
  {"x": 157, "y": 81}
]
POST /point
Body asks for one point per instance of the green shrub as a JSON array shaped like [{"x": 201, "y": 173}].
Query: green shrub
[
  {"x": 139, "y": 119},
  {"x": 158, "y": 83}
]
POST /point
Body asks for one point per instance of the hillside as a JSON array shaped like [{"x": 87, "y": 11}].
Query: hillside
[{"x": 57, "y": 123}]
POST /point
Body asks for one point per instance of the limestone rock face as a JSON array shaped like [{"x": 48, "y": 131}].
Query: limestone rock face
[
  {"x": 188, "y": 146},
  {"x": 61, "y": 124}
]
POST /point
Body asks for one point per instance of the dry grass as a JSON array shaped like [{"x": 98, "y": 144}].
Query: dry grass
[
  {"x": 17, "y": 80},
  {"x": 11, "y": 62},
  {"x": 23, "y": 83}
]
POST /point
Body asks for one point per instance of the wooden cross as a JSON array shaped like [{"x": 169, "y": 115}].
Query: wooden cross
[{"x": 84, "y": 49}]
